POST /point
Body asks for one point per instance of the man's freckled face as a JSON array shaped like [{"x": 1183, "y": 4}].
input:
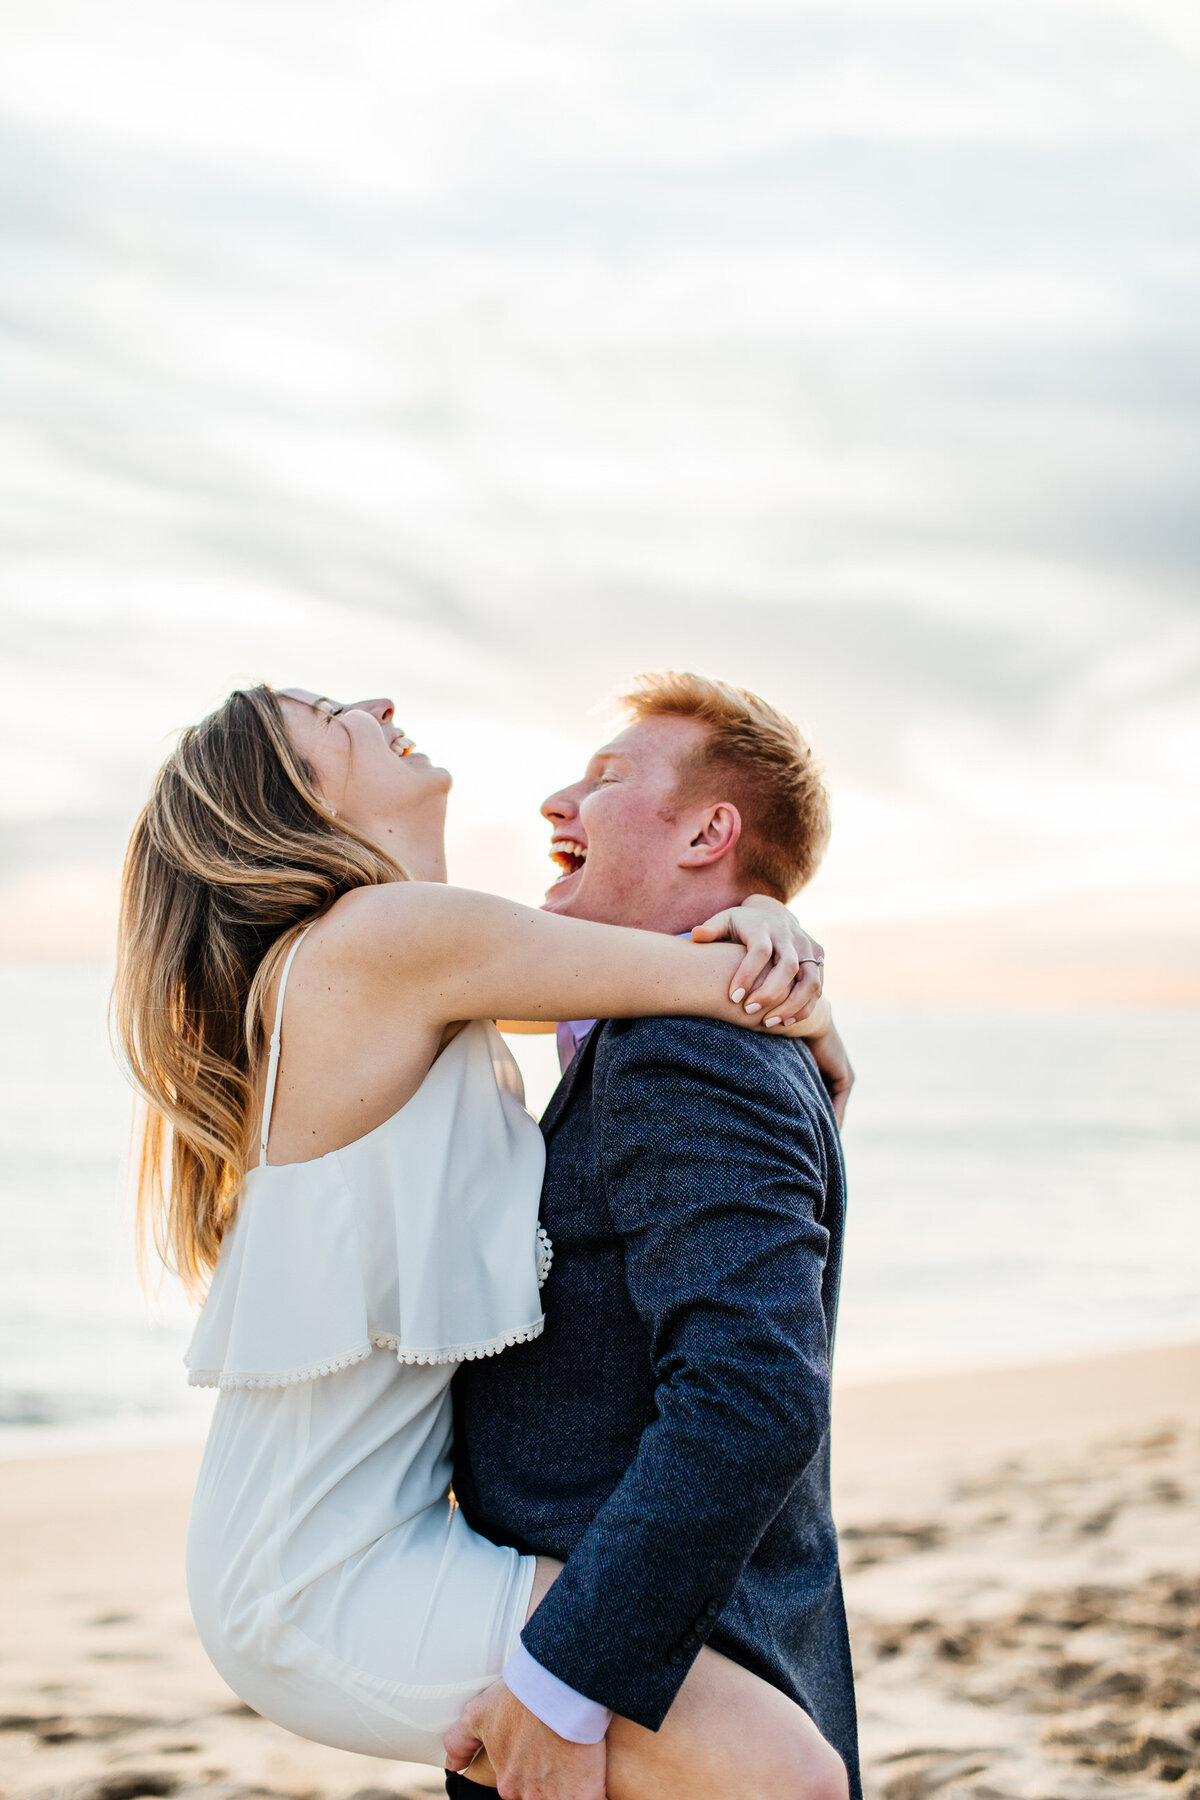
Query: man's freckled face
[{"x": 614, "y": 834}]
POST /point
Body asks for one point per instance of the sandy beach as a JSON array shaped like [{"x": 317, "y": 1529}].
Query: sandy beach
[{"x": 1022, "y": 1554}]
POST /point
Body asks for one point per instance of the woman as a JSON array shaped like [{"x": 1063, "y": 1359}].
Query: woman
[{"x": 289, "y": 868}]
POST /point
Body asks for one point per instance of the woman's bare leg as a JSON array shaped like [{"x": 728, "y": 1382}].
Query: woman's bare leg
[{"x": 728, "y": 1736}]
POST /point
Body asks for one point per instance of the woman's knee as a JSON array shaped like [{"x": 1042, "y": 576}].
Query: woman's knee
[
  {"x": 819, "y": 1772},
  {"x": 802, "y": 1766},
  {"x": 787, "y": 1764},
  {"x": 729, "y": 1736}
]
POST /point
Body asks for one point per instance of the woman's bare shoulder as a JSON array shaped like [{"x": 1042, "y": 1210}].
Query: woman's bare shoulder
[
  {"x": 367, "y": 918},
  {"x": 372, "y": 946},
  {"x": 378, "y": 930}
]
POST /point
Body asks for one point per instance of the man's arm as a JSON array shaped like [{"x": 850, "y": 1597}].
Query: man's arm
[{"x": 715, "y": 1179}]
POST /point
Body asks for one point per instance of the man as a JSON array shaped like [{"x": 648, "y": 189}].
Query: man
[{"x": 668, "y": 1436}]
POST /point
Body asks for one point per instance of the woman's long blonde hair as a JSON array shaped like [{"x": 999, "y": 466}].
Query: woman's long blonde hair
[{"x": 233, "y": 854}]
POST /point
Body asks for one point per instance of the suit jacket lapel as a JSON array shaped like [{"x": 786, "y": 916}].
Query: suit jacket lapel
[{"x": 566, "y": 1087}]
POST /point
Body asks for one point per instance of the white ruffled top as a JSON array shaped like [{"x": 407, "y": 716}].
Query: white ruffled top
[{"x": 421, "y": 1237}]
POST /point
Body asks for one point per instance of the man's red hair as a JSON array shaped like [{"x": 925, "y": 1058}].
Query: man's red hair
[{"x": 754, "y": 758}]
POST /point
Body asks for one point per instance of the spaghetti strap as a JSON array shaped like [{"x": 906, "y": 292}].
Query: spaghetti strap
[{"x": 273, "y": 1063}]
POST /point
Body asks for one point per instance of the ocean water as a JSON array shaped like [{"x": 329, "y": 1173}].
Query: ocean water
[{"x": 1023, "y": 1185}]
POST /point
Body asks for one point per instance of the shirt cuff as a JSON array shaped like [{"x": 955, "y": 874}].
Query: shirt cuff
[{"x": 573, "y": 1716}]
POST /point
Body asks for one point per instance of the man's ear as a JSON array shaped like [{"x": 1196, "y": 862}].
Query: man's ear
[{"x": 712, "y": 834}]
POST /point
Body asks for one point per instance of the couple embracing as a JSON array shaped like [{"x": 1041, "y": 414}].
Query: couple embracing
[{"x": 610, "y": 1337}]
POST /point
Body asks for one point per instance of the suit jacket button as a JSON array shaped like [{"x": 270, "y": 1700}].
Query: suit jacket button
[{"x": 675, "y": 1658}]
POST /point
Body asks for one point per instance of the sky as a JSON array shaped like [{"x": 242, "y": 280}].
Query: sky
[{"x": 486, "y": 354}]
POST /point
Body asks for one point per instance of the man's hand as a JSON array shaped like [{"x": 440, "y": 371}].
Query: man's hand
[{"x": 530, "y": 1761}]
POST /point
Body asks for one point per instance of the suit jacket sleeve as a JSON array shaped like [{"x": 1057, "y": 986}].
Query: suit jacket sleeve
[{"x": 715, "y": 1178}]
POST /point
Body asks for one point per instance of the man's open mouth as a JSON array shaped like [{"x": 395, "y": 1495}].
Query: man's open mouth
[{"x": 568, "y": 856}]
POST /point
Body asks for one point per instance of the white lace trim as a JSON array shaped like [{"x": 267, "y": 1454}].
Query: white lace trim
[
  {"x": 386, "y": 1340},
  {"x": 380, "y": 1340},
  {"x": 459, "y": 1352}
]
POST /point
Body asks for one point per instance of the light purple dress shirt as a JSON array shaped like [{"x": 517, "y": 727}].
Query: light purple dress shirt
[
  {"x": 571, "y": 1715},
  {"x": 571, "y": 1034}
]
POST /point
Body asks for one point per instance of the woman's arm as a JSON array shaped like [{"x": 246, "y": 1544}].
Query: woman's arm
[
  {"x": 451, "y": 954},
  {"x": 775, "y": 941}
]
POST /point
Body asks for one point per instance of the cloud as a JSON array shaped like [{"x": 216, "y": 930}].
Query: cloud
[{"x": 506, "y": 349}]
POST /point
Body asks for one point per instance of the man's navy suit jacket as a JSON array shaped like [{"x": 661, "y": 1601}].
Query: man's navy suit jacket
[{"x": 668, "y": 1435}]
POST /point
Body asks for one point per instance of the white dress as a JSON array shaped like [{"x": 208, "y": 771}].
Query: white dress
[{"x": 334, "y": 1585}]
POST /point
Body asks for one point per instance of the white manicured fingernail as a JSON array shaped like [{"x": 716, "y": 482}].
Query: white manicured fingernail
[
  {"x": 753, "y": 1006},
  {"x": 738, "y": 994},
  {"x": 775, "y": 1021}
]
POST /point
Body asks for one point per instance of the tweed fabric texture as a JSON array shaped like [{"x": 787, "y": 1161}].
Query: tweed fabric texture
[{"x": 668, "y": 1435}]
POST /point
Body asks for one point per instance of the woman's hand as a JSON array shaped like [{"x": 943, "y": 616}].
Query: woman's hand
[
  {"x": 780, "y": 956},
  {"x": 783, "y": 971}
]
